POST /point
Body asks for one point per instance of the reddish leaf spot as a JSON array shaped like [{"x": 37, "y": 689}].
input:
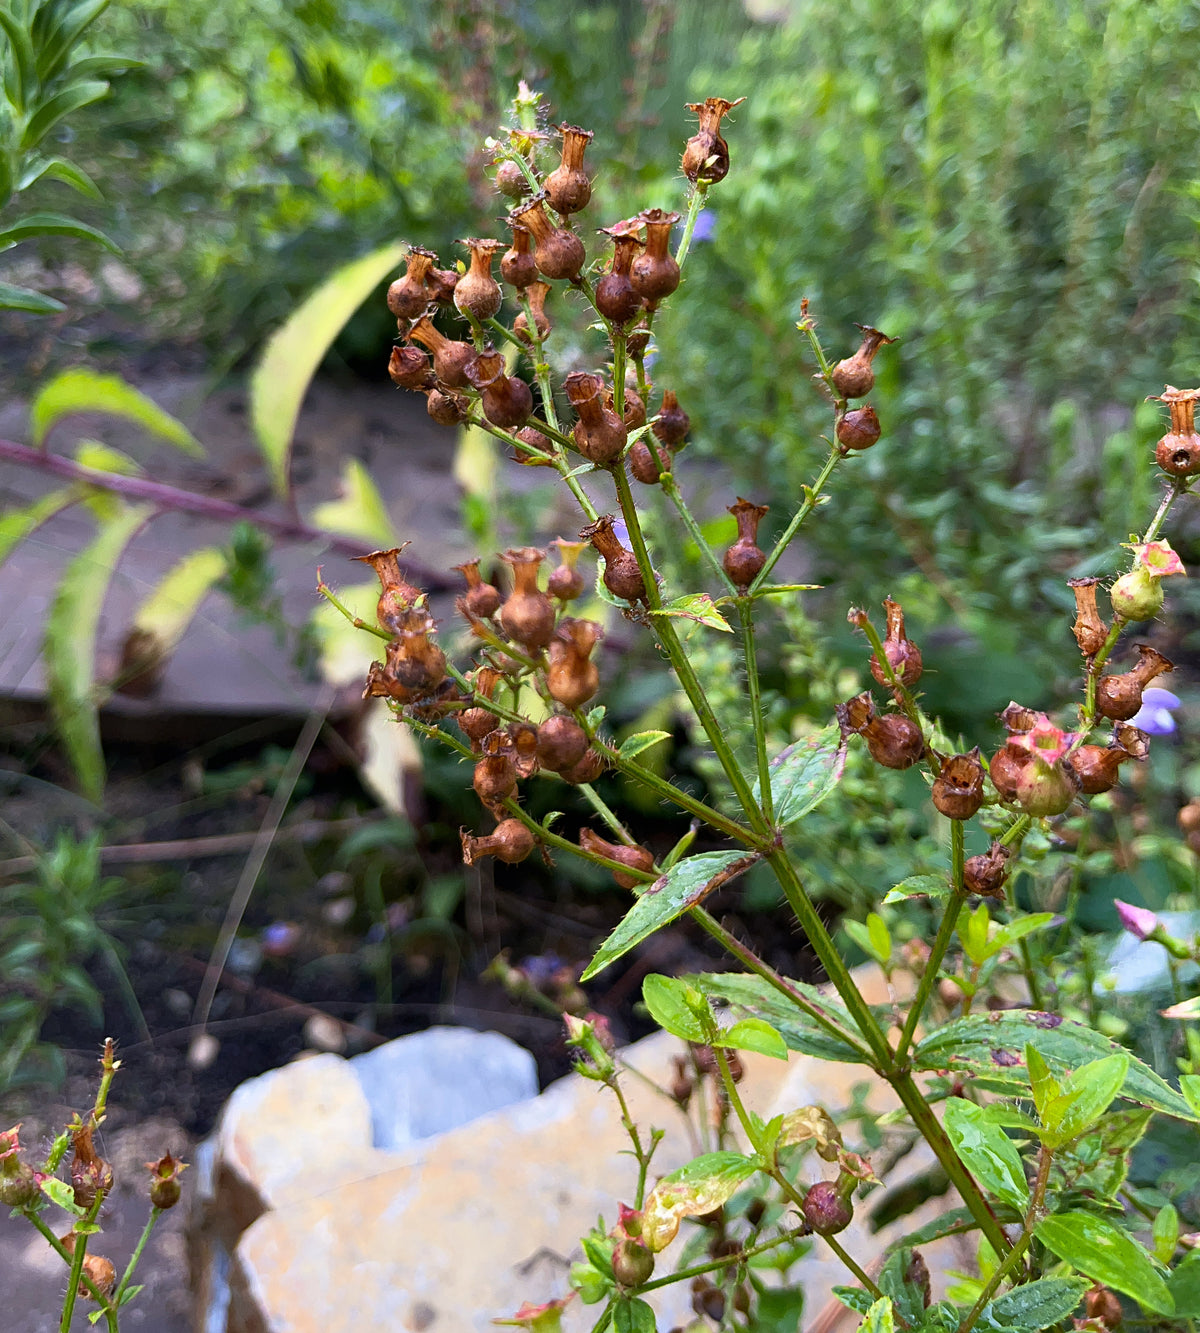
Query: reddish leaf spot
[
  {"x": 1003, "y": 1057},
  {"x": 1043, "y": 1020}
]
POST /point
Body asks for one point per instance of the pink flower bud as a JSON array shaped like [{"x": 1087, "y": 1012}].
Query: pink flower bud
[{"x": 1138, "y": 921}]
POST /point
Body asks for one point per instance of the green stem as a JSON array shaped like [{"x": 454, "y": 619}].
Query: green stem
[
  {"x": 643, "y": 1155},
  {"x": 671, "y": 490},
  {"x": 740, "y": 1256},
  {"x": 695, "y": 204},
  {"x": 327, "y": 592},
  {"x": 64, "y": 1254},
  {"x": 78, "y": 1254},
  {"x": 858, "y": 1271},
  {"x": 127, "y": 1276},
  {"x": 602, "y": 808},
  {"x": 812, "y": 495},
  {"x": 945, "y": 934},
  {"x": 563, "y": 845},
  {"x": 746, "y": 614},
  {"x": 735, "y": 1098}
]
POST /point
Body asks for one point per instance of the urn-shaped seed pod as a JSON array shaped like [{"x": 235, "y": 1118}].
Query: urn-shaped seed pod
[
  {"x": 599, "y": 434},
  {"x": 958, "y": 788},
  {"x": 450, "y": 358},
  {"x": 442, "y": 282},
  {"x": 568, "y": 187},
  {"x": 409, "y": 296},
  {"x": 632, "y": 1263},
  {"x": 102, "y": 1273},
  {"x": 412, "y": 657},
  {"x": 506, "y": 399},
  {"x": 1004, "y": 768},
  {"x": 745, "y": 558},
  {"x": 985, "y": 874},
  {"x": 517, "y": 265},
  {"x": 561, "y": 743},
  {"x": 1089, "y": 629},
  {"x": 1120, "y": 697},
  {"x": 1096, "y": 766},
  {"x": 566, "y": 582},
  {"x": 858, "y": 428},
  {"x": 893, "y": 740},
  {"x": 509, "y": 842},
  {"x": 634, "y": 414},
  {"x": 481, "y": 599},
  {"x": 447, "y": 409},
  {"x": 538, "y": 291},
  {"x": 475, "y": 722},
  {"x": 636, "y": 857},
  {"x": 1178, "y": 452},
  {"x": 165, "y": 1189},
  {"x": 477, "y": 293},
  {"x": 853, "y": 376},
  {"x": 511, "y": 180},
  {"x": 409, "y": 368},
  {"x": 706, "y": 154},
  {"x": 621, "y": 576},
  {"x": 615, "y": 298},
  {"x": 380, "y": 684},
  {"x": 528, "y": 614},
  {"x": 902, "y": 654},
  {"x": 588, "y": 769},
  {"x": 673, "y": 422},
  {"x": 654, "y": 273},
  {"x": 558, "y": 252},
  {"x": 496, "y": 773},
  {"x": 529, "y": 439},
  {"x": 1104, "y": 1306},
  {"x": 524, "y": 738},
  {"x": 647, "y": 467},
  {"x": 572, "y": 678},
  {"x": 827, "y": 1209},
  {"x": 396, "y": 594}
]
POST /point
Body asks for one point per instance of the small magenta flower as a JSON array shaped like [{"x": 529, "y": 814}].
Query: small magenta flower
[
  {"x": 1138, "y": 921},
  {"x": 1154, "y": 717}
]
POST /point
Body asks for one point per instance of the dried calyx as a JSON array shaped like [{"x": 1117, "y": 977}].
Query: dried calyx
[
  {"x": 450, "y": 358},
  {"x": 537, "y": 292},
  {"x": 903, "y": 656},
  {"x": 1089, "y": 628},
  {"x": 396, "y": 593},
  {"x": 558, "y": 252},
  {"x": 566, "y": 582},
  {"x": 621, "y": 576},
  {"x": 615, "y": 298},
  {"x": 1120, "y": 697},
  {"x": 599, "y": 434},
  {"x": 568, "y": 187},
  {"x": 409, "y": 296},
  {"x": 528, "y": 614},
  {"x": 673, "y": 423},
  {"x": 1178, "y": 452},
  {"x": 654, "y": 273},
  {"x": 854, "y": 377},
  {"x": 506, "y": 400},
  {"x": 481, "y": 599},
  {"x": 985, "y": 873},
  {"x": 893, "y": 740},
  {"x": 1096, "y": 766},
  {"x": 745, "y": 558},
  {"x": 572, "y": 678},
  {"x": 477, "y": 293},
  {"x": 958, "y": 788},
  {"x": 510, "y": 842},
  {"x": 636, "y": 857},
  {"x": 706, "y": 154}
]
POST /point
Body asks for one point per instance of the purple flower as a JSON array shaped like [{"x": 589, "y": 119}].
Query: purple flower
[
  {"x": 1138, "y": 921},
  {"x": 1154, "y": 717},
  {"x": 706, "y": 226}
]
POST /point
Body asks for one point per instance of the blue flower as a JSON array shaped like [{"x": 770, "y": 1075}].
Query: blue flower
[{"x": 1154, "y": 717}]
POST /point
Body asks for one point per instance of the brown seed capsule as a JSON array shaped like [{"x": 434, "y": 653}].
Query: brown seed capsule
[
  {"x": 537, "y": 292},
  {"x": 568, "y": 187},
  {"x": 853, "y": 376},
  {"x": 654, "y": 273},
  {"x": 90, "y": 1173},
  {"x": 643, "y": 466},
  {"x": 397, "y": 594},
  {"x": 958, "y": 788},
  {"x": 380, "y": 684},
  {"x": 1096, "y": 766},
  {"x": 1104, "y": 1306},
  {"x": 409, "y": 368},
  {"x": 413, "y": 658},
  {"x": 706, "y": 155},
  {"x": 409, "y": 296},
  {"x": 615, "y": 298},
  {"x": 1120, "y": 697},
  {"x": 475, "y": 722},
  {"x": 745, "y": 558},
  {"x": 511, "y": 180},
  {"x": 985, "y": 874},
  {"x": 621, "y": 576},
  {"x": 517, "y": 265},
  {"x": 673, "y": 422},
  {"x": 1178, "y": 452},
  {"x": 893, "y": 740},
  {"x": 827, "y": 1210},
  {"x": 632, "y": 1263},
  {"x": 510, "y": 842},
  {"x": 572, "y": 678},
  {"x": 588, "y": 769},
  {"x": 634, "y": 414},
  {"x": 566, "y": 582},
  {"x": 528, "y": 614},
  {"x": 1004, "y": 768},
  {"x": 599, "y": 434},
  {"x": 164, "y": 1181},
  {"x": 636, "y": 857},
  {"x": 496, "y": 773},
  {"x": 524, "y": 738},
  {"x": 450, "y": 359},
  {"x": 858, "y": 428},
  {"x": 530, "y": 438},
  {"x": 902, "y": 654},
  {"x": 708, "y": 1300},
  {"x": 481, "y": 599},
  {"x": 447, "y": 409},
  {"x": 477, "y": 293},
  {"x": 559, "y": 253},
  {"x": 506, "y": 399},
  {"x": 561, "y": 743},
  {"x": 1089, "y": 629}
]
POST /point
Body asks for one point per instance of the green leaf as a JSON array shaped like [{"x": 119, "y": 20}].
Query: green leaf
[
  {"x": 989, "y": 1154},
  {"x": 989, "y": 1048},
  {"x": 880, "y": 936},
  {"x": 805, "y": 773},
  {"x": 686, "y": 884},
  {"x": 934, "y": 887},
  {"x": 973, "y": 932},
  {"x": 13, "y": 297},
  {"x": 632, "y": 1315},
  {"x": 633, "y": 745},
  {"x": 20, "y": 87},
  {"x": 1086, "y": 1095},
  {"x": 59, "y": 169},
  {"x": 70, "y": 646},
  {"x": 170, "y": 608},
  {"x": 62, "y": 33},
  {"x": 952, "y": 1223},
  {"x": 754, "y": 1034},
  {"x": 667, "y": 1000},
  {"x": 697, "y": 1188},
  {"x": 751, "y": 997},
  {"x": 880, "y": 1318},
  {"x": 1035, "y": 1305},
  {"x": 1165, "y": 1233},
  {"x": 17, "y": 524},
  {"x": 1042, "y": 1083},
  {"x": 359, "y": 511},
  {"x": 294, "y": 352},
  {"x": 697, "y": 606},
  {"x": 1008, "y": 935},
  {"x": 82, "y": 390},
  {"x": 1107, "y": 1255},
  {"x": 52, "y": 224},
  {"x": 1184, "y": 1285},
  {"x": 60, "y": 1193},
  {"x": 58, "y": 107}
]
